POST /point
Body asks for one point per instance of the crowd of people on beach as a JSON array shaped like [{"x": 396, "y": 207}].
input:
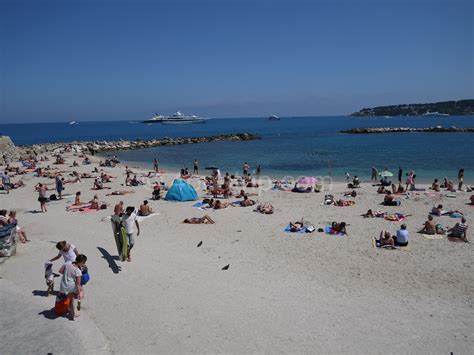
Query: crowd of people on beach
[{"x": 218, "y": 189}]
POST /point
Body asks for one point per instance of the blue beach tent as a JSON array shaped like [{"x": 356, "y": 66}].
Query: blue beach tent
[{"x": 181, "y": 191}]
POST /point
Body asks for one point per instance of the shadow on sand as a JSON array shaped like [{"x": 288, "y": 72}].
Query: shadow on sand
[
  {"x": 49, "y": 314},
  {"x": 111, "y": 260},
  {"x": 43, "y": 293}
]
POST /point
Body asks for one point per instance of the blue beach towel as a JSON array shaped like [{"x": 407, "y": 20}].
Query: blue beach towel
[
  {"x": 327, "y": 229},
  {"x": 288, "y": 229},
  {"x": 200, "y": 204}
]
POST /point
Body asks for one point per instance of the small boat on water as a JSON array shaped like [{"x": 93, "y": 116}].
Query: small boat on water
[
  {"x": 72, "y": 122},
  {"x": 274, "y": 118},
  {"x": 435, "y": 114},
  {"x": 176, "y": 118}
]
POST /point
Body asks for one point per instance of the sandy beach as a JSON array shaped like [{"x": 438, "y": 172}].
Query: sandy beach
[{"x": 283, "y": 292}]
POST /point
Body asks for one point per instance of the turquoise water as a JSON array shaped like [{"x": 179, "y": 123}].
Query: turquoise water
[{"x": 291, "y": 146}]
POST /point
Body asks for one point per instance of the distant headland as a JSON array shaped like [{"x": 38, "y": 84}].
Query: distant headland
[{"x": 444, "y": 108}]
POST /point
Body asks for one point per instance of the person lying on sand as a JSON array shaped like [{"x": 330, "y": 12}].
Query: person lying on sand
[
  {"x": 199, "y": 220},
  {"x": 120, "y": 192},
  {"x": 339, "y": 227},
  {"x": 144, "y": 209},
  {"x": 372, "y": 214},
  {"x": 247, "y": 202},
  {"x": 243, "y": 193},
  {"x": 344, "y": 203},
  {"x": 297, "y": 226},
  {"x": 264, "y": 208},
  {"x": 217, "y": 205},
  {"x": 352, "y": 193},
  {"x": 438, "y": 211}
]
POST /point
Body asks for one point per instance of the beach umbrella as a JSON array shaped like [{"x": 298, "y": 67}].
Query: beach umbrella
[
  {"x": 307, "y": 180},
  {"x": 386, "y": 174}
]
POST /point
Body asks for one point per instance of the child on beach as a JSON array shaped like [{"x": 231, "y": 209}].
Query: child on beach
[
  {"x": 71, "y": 282},
  {"x": 49, "y": 277}
]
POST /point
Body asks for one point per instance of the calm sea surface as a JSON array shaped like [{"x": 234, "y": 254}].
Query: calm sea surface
[{"x": 291, "y": 146}]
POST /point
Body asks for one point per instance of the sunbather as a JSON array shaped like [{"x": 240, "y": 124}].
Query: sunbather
[
  {"x": 429, "y": 226},
  {"x": 372, "y": 214},
  {"x": 265, "y": 208},
  {"x": 218, "y": 205},
  {"x": 344, "y": 203},
  {"x": 199, "y": 220},
  {"x": 297, "y": 226},
  {"x": 339, "y": 227},
  {"x": 120, "y": 192},
  {"x": 459, "y": 230},
  {"x": 247, "y": 202},
  {"x": 145, "y": 210},
  {"x": 352, "y": 193},
  {"x": 385, "y": 239}
]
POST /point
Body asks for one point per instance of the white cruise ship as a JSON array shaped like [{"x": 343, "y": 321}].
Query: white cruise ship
[{"x": 176, "y": 118}]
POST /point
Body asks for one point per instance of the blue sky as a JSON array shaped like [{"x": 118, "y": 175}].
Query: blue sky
[{"x": 124, "y": 60}]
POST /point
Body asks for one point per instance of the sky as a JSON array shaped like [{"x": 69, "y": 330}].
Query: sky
[{"x": 125, "y": 60}]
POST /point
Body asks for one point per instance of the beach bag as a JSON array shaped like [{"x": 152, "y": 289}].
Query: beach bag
[
  {"x": 85, "y": 276},
  {"x": 103, "y": 206},
  {"x": 61, "y": 306},
  {"x": 310, "y": 229},
  {"x": 53, "y": 197}
]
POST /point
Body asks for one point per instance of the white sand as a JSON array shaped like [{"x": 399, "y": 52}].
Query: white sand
[{"x": 283, "y": 292}]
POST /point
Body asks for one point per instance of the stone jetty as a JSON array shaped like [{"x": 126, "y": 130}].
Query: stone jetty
[
  {"x": 437, "y": 129},
  {"x": 101, "y": 146}
]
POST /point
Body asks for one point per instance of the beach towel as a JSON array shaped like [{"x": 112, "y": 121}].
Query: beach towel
[
  {"x": 303, "y": 231},
  {"x": 141, "y": 218},
  {"x": 432, "y": 236},
  {"x": 87, "y": 209},
  {"x": 330, "y": 231},
  {"x": 200, "y": 204}
]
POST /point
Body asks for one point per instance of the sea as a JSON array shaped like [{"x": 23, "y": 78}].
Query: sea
[{"x": 292, "y": 146}]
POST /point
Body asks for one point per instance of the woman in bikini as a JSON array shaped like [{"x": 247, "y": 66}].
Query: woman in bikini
[{"x": 199, "y": 220}]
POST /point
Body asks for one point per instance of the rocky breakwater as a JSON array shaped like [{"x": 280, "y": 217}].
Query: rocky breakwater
[
  {"x": 101, "y": 146},
  {"x": 437, "y": 129},
  {"x": 8, "y": 151}
]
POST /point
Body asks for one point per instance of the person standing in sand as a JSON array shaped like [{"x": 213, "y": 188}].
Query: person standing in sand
[
  {"x": 129, "y": 220},
  {"x": 59, "y": 185},
  {"x": 400, "y": 173},
  {"x": 460, "y": 179},
  {"x": 245, "y": 169},
  {"x": 155, "y": 165},
  {"x": 71, "y": 282},
  {"x": 196, "y": 167},
  {"x": 6, "y": 182},
  {"x": 118, "y": 209},
  {"x": 375, "y": 174},
  {"x": 68, "y": 251},
  {"x": 42, "y": 196}
]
